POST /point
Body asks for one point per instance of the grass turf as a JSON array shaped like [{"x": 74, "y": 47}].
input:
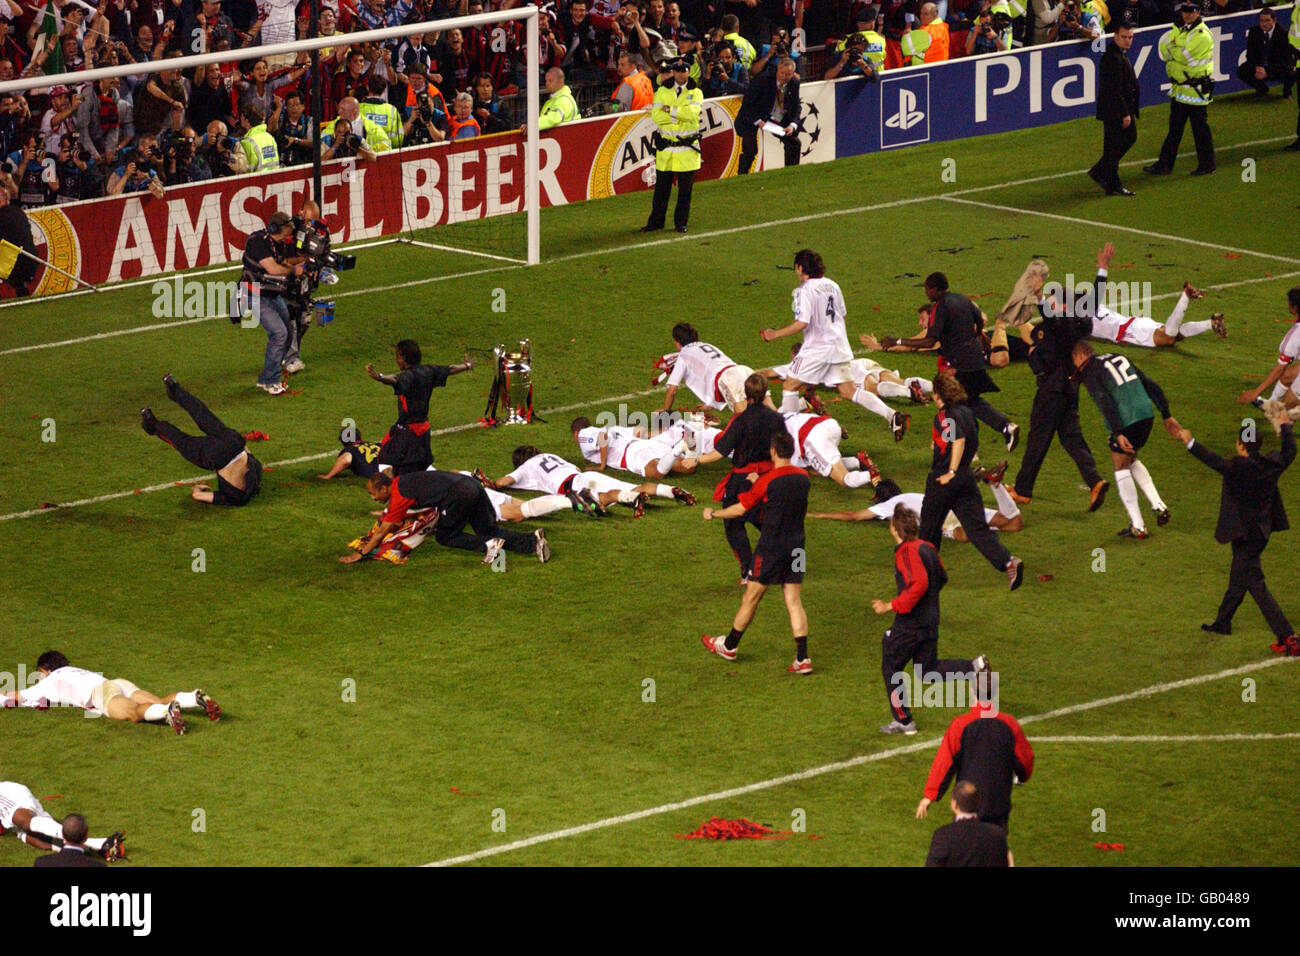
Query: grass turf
[{"x": 523, "y": 692}]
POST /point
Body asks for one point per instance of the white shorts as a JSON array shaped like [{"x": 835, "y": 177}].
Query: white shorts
[
  {"x": 821, "y": 449},
  {"x": 15, "y": 797},
  {"x": 813, "y": 372},
  {"x": 497, "y": 499},
  {"x": 872, "y": 369},
  {"x": 639, "y": 455},
  {"x": 1138, "y": 330},
  {"x": 951, "y": 524},
  {"x": 598, "y": 483},
  {"x": 731, "y": 385},
  {"x": 101, "y": 695}
]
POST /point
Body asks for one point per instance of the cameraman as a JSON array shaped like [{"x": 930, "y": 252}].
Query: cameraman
[
  {"x": 270, "y": 266},
  {"x": 297, "y": 131},
  {"x": 220, "y": 152},
  {"x": 314, "y": 248},
  {"x": 771, "y": 53},
  {"x": 726, "y": 75},
  {"x": 853, "y": 60},
  {"x": 181, "y": 160},
  {"x": 77, "y": 179},
  {"x": 427, "y": 123},
  {"x": 983, "y": 37},
  {"x": 774, "y": 97}
]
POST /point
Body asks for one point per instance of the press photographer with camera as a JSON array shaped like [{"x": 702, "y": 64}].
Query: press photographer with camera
[
  {"x": 367, "y": 138},
  {"x": 270, "y": 264},
  {"x": 320, "y": 265},
  {"x": 297, "y": 131},
  {"x": 341, "y": 143},
  {"x": 1070, "y": 24},
  {"x": 78, "y": 178},
  {"x": 427, "y": 122},
  {"x": 986, "y": 36},
  {"x": 780, "y": 46},
  {"x": 182, "y": 162},
  {"x": 853, "y": 60},
  {"x": 221, "y": 152},
  {"x": 726, "y": 75},
  {"x": 139, "y": 171}
]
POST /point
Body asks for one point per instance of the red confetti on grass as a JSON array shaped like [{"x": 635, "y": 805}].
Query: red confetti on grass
[
  {"x": 256, "y": 436},
  {"x": 1232, "y": 255},
  {"x": 462, "y": 793},
  {"x": 53, "y": 796},
  {"x": 48, "y": 505},
  {"x": 1044, "y": 577},
  {"x": 716, "y": 828},
  {"x": 1110, "y": 846}
]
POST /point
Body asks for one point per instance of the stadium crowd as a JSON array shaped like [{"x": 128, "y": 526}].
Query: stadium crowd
[{"x": 64, "y": 143}]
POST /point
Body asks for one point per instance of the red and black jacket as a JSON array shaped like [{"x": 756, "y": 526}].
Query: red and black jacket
[
  {"x": 986, "y": 748},
  {"x": 920, "y": 575}
]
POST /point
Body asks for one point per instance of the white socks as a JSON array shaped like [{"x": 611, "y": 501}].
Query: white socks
[
  {"x": 188, "y": 700},
  {"x": 872, "y": 403},
  {"x": 47, "y": 827},
  {"x": 537, "y": 507},
  {"x": 1278, "y": 391},
  {"x": 1128, "y": 494},
  {"x": 663, "y": 491},
  {"x": 156, "y": 713},
  {"x": 851, "y": 464},
  {"x": 1188, "y": 329},
  {"x": 95, "y": 844},
  {"x": 856, "y": 479},
  {"x": 666, "y": 460},
  {"x": 789, "y": 402},
  {"x": 1175, "y": 320},
  {"x": 891, "y": 390},
  {"x": 1143, "y": 479},
  {"x": 1006, "y": 505}
]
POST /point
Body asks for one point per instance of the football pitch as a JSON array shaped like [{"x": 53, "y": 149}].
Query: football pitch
[{"x": 566, "y": 714}]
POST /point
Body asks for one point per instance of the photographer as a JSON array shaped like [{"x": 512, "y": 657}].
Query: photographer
[
  {"x": 726, "y": 75},
  {"x": 313, "y": 248},
  {"x": 372, "y": 137},
  {"x": 269, "y": 266},
  {"x": 13, "y": 117},
  {"x": 181, "y": 160},
  {"x": 221, "y": 152},
  {"x": 853, "y": 60},
  {"x": 138, "y": 173},
  {"x": 774, "y": 97},
  {"x": 1070, "y": 25},
  {"x": 297, "y": 132},
  {"x": 77, "y": 178},
  {"x": 771, "y": 53},
  {"x": 427, "y": 122},
  {"x": 34, "y": 185},
  {"x": 983, "y": 37},
  {"x": 1045, "y": 14}
]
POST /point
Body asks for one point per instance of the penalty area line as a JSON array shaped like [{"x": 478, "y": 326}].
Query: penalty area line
[{"x": 835, "y": 767}]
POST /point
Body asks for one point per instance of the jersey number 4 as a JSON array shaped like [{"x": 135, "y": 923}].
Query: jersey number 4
[
  {"x": 1120, "y": 369},
  {"x": 830, "y": 307}
]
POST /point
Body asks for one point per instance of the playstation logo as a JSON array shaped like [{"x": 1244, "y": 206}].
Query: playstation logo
[
  {"x": 909, "y": 98},
  {"x": 908, "y": 115}
]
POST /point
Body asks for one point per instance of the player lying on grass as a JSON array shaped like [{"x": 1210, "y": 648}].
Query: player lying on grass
[
  {"x": 21, "y": 812},
  {"x": 1128, "y": 401},
  {"x": 220, "y": 449},
  {"x": 459, "y": 500},
  {"x": 999, "y": 351},
  {"x": 779, "y": 556},
  {"x": 628, "y": 449},
  {"x": 357, "y": 456},
  {"x": 888, "y": 496},
  {"x": 824, "y": 356},
  {"x": 1111, "y": 326},
  {"x": 705, "y": 370},
  {"x": 1283, "y": 379},
  {"x": 874, "y": 379},
  {"x": 541, "y": 471},
  {"x": 62, "y": 685},
  {"x": 817, "y": 447}
]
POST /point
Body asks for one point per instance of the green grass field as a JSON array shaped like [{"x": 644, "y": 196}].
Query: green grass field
[{"x": 518, "y": 697}]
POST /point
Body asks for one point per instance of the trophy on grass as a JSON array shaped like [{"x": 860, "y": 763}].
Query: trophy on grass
[{"x": 512, "y": 388}]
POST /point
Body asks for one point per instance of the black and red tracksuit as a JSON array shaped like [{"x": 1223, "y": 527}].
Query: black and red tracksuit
[
  {"x": 782, "y": 493},
  {"x": 987, "y": 748},
  {"x": 914, "y": 635},
  {"x": 747, "y": 441}
]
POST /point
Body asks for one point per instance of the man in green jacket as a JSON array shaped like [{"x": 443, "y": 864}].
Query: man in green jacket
[
  {"x": 560, "y": 107},
  {"x": 677, "y": 111}
]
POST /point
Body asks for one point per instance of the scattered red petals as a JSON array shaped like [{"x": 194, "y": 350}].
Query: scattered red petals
[
  {"x": 53, "y": 796},
  {"x": 48, "y": 505},
  {"x": 1110, "y": 846},
  {"x": 716, "y": 828},
  {"x": 256, "y": 436},
  {"x": 1232, "y": 255},
  {"x": 1044, "y": 577},
  {"x": 459, "y": 792}
]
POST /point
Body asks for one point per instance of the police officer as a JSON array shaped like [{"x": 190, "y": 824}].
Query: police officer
[
  {"x": 259, "y": 146},
  {"x": 268, "y": 263},
  {"x": 678, "y": 112},
  {"x": 560, "y": 106},
  {"x": 382, "y": 113},
  {"x": 1188, "y": 52}
]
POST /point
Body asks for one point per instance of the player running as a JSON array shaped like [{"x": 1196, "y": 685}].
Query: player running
[
  {"x": 716, "y": 380},
  {"x": 62, "y": 685},
  {"x": 220, "y": 449},
  {"x": 779, "y": 556},
  {"x": 628, "y": 450},
  {"x": 1128, "y": 401},
  {"x": 817, "y": 447},
  {"x": 824, "y": 357},
  {"x": 21, "y": 812}
]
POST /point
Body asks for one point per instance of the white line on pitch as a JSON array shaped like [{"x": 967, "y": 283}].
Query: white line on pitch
[
  {"x": 1163, "y": 738},
  {"x": 837, "y": 766},
  {"x": 451, "y": 429},
  {"x": 631, "y": 246}
]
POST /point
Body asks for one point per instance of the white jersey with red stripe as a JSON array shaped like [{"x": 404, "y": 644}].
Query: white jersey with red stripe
[
  {"x": 15, "y": 797},
  {"x": 544, "y": 472},
  {"x": 816, "y": 441},
  {"x": 1289, "y": 350},
  {"x": 65, "y": 686},
  {"x": 913, "y": 501},
  {"x": 698, "y": 366},
  {"x": 589, "y": 442},
  {"x": 820, "y": 304}
]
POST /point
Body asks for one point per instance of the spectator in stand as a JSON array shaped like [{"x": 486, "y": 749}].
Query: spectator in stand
[
  {"x": 210, "y": 97},
  {"x": 635, "y": 90},
  {"x": 159, "y": 102},
  {"x": 462, "y": 124},
  {"x": 374, "y": 15},
  {"x": 727, "y": 76},
  {"x": 411, "y": 51},
  {"x": 629, "y": 36},
  {"x": 672, "y": 21},
  {"x": 11, "y": 49},
  {"x": 207, "y": 21},
  {"x": 487, "y": 108},
  {"x": 14, "y": 116},
  {"x": 275, "y": 20},
  {"x": 654, "y": 18},
  {"x": 454, "y": 64},
  {"x": 296, "y": 132},
  {"x": 58, "y": 120},
  {"x": 350, "y": 81},
  {"x": 259, "y": 88},
  {"x": 1269, "y": 55},
  {"x": 579, "y": 38}
]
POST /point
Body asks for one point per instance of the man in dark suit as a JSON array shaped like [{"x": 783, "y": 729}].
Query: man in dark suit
[
  {"x": 73, "y": 853},
  {"x": 1250, "y": 509},
  {"x": 773, "y": 96},
  {"x": 1117, "y": 108},
  {"x": 967, "y": 841},
  {"x": 1268, "y": 56}
]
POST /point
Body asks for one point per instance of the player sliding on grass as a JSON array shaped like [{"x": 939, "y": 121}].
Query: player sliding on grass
[
  {"x": 628, "y": 450},
  {"x": 21, "y": 812},
  {"x": 1128, "y": 401},
  {"x": 779, "y": 556},
  {"x": 817, "y": 446},
  {"x": 716, "y": 380},
  {"x": 871, "y": 377},
  {"x": 538, "y": 471},
  {"x": 220, "y": 449},
  {"x": 1112, "y": 326},
  {"x": 824, "y": 357},
  {"x": 62, "y": 685}
]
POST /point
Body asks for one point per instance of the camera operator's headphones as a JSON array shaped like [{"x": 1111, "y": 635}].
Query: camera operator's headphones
[{"x": 277, "y": 222}]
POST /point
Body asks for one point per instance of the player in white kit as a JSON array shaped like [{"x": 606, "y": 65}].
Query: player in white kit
[
  {"x": 1284, "y": 379},
  {"x": 1148, "y": 333},
  {"x": 716, "y": 380},
  {"x": 64, "y": 685},
  {"x": 21, "y": 812},
  {"x": 536, "y": 470},
  {"x": 817, "y": 447},
  {"x": 628, "y": 449},
  {"x": 824, "y": 357},
  {"x": 868, "y": 375}
]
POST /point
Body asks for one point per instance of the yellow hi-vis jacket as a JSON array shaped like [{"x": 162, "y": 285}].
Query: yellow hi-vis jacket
[
  {"x": 678, "y": 116},
  {"x": 1188, "y": 55}
]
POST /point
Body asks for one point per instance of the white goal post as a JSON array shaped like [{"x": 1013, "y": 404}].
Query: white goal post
[{"x": 529, "y": 14}]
